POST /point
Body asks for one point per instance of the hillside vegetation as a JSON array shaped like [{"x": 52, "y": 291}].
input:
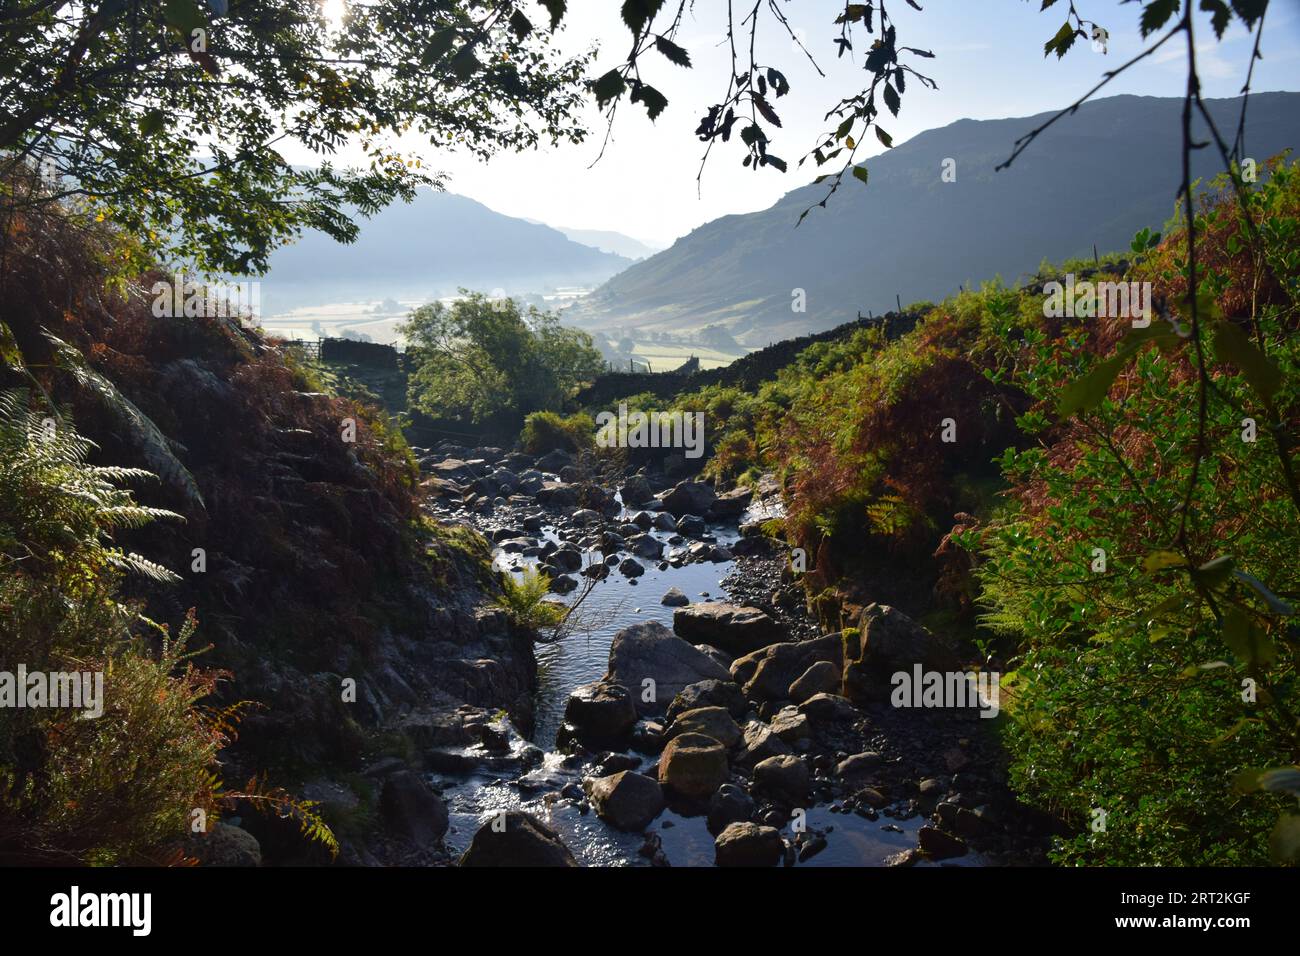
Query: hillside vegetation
[{"x": 1131, "y": 571}]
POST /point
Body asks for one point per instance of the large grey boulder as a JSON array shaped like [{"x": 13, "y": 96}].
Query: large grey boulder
[
  {"x": 748, "y": 844},
  {"x": 768, "y": 673},
  {"x": 515, "y": 838},
  {"x": 410, "y": 808},
  {"x": 887, "y": 642},
  {"x": 735, "y": 629},
  {"x": 626, "y": 800},
  {"x": 650, "y": 652},
  {"x": 690, "y": 498}
]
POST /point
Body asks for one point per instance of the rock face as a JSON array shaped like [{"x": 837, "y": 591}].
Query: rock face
[
  {"x": 690, "y": 498},
  {"x": 649, "y": 651},
  {"x": 516, "y": 839},
  {"x": 767, "y": 674},
  {"x": 693, "y": 766},
  {"x": 712, "y": 722},
  {"x": 410, "y": 808},
  {"x": 747, "y": 844},
  {"x": 601, "y": 711},
  {"x": 626, "y": 800},
  {"x": 737, "y": 630},
  {"x": 889, "y": 641}
]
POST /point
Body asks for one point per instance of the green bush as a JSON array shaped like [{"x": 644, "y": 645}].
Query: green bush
[{"x": 550, "y": 431}]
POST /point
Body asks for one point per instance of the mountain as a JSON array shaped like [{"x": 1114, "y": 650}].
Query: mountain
[
  {"x": 1097, "y": 176},
  {"x": 430, "y": 247},
  {"x": 613, "y": 242}
]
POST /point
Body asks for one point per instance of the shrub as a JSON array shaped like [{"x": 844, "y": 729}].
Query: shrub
[{"x": 550, "y": 431}]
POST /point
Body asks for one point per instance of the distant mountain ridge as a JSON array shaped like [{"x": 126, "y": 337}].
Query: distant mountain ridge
[
  {"x": 1096, "y": 177},
  {"x": 430, "y": 247}
]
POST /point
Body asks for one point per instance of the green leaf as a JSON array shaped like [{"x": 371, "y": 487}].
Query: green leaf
[
  {"x": 1235, "y": 729},
  {"x": 1220, "y": 15},
  {"x": 1156, "y": 14},
  {"x": 1247, "y": 640},
  {"x": 1061, "y": 43},
  {"x": 1215, "y": 572},
  {"x": 520, "y": 24},
  {"x": 609, "y": 87},
  {"x": 556, "y": 9},
  {"x": 10, "y": 353},
  {"x": 152, "y": 122},
  {"x": 671, "y": 50},
  {"x": 184, "y": 15},
  {"x": 860, "y": 174},
  {"x": 1160, "y": 560},
  {"x": 465, "y": 64},
  {"x": 1091, "y": 388},
  {"x": 653, "y": 99},
  {"x": 438, "y": 47},
  {"x": 1234, "y": 347},
  {"x": 891, "y": 99},
  {"x": 637, "y": 13},
  {"x": 885, "y": 138}
]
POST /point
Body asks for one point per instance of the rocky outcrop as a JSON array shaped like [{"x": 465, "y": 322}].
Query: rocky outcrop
[
  {"x": 689, "y": 498},
  {"x": 410, "y": 809},
  {"x": 767, "y": 674},
  {"x": 888, "y": 641}
]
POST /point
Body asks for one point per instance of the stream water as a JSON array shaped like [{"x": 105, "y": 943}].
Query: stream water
[{"x": 580, "y": 658}]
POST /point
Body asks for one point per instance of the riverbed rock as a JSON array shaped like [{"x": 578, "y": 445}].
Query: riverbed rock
[
  {"x": 601, "y": 711},
  {"x": 768, "y": 673},
  {"x": 822, "y": 677},
  {"x": 785, "y": 779},
  {"x": 689, "y": 498},
  {"x": 225, "y": 845},
  {"x": 791, "y": 726},
  {"x": 645, "y": 546},
  {"x": 938, "y": 845},
  {"x": 566, "y": 559},
  {"x": 554, "y": 460},
  {"x": 693, "y": 766},
  {"x": 888, "y": 641},
  {"x": 859, "y": 767},
  {"x": 691, "y": 526},
  {"x": 675, "y": 597},
  {"x": 631, "y": 568},
  {"x": 636, "y": 491},
  {"x": 738, "y": 630},
  {"x": 709, "y": 693},
  {"x": 748, "y": 844},
  {"x": 712, "y": 722},
  {"x": 729, "y": 804},
  {"x": 410, "y": 808},
  {"x": 665, "y": 522},
  {"x": 563, "y": 584},
  {"x": 758, "y": 744},
  {"x": 732, "y": 504},
  {"x": 828, "y": 709},
  {"x": 626, "y": 800},
  {"x": 650, "y": 652},
  {"x": 514, "y": 838}
]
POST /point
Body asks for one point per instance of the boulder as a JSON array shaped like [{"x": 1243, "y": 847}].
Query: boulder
[
  {"x": 732, "y": 504},
  {"x": 729, "y": 804},
  {"x": 859, "y": 767},
  {"x": 828, "y": 709},
  {"x": 758, "y": 744},
  {"x": 692, "y": 526},
  {"x": 626, "y": 800},
  {"x": 737, "y": 630},
  {"x": 712, "y": 722},
  {"x": 554, "y": 460},
  {"x": 602, "y": 711},
  {"x": 784, "y": 779},
  {"x": 566, "y": 559},
  {"x": 709, "y": 693},
  {"x": 514, "y": 838},
  {"x": 645, "y": 546},
  {"x": 410, "y": 808},
  {"x": 649, "y": 651},
  {"x": 225, "y": 845},
  {"x": 631, "y": 568},
  {"x": 938, "y": 845},
  {"x": 823, "y": 677},
  {"x": 674, "y": 597},
  {"x": 635, "y": 491},
  {"x": 888, "y": 641},
  {"x": 693, "y": 766},
  {"x": 689, "y": 498},
  {"x": 768, "y": 673},
  {"x": 791, "y": 726},
  {"x": 747, "y": 844}
]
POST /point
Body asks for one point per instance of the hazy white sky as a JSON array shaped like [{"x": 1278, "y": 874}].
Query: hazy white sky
[{"x": 989, "y": 64}]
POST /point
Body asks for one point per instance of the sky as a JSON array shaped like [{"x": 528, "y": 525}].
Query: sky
[{"x": 988, "y": 64}]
